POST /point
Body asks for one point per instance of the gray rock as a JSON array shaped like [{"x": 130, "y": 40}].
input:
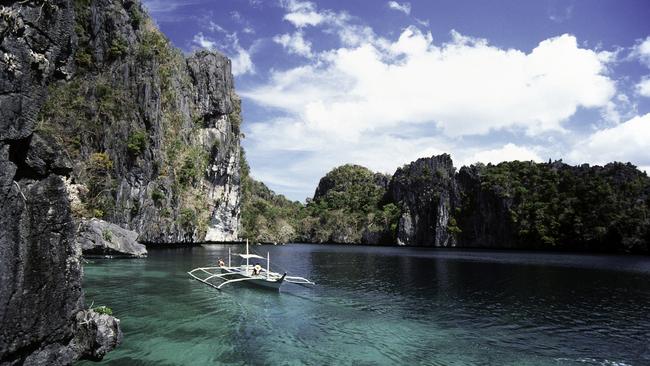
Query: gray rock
[
  {"x": 213, "y": 83},
  {"x": 40, "y": 289},
  {"x": 164, "y": 91},
  {"x": 40, "y": 271},
  {"x": 101, "y": 238},
  {"x": 426, "y": 192},
  {"x": 486, "y": 222},
  {"x": 44, "y": 157},
  {"x": 35, "y": 46},
  {"x": 95, "y": 335}
]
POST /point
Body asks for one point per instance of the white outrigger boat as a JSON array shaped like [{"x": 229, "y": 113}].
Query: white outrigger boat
[{"x": 245, "y": 273}]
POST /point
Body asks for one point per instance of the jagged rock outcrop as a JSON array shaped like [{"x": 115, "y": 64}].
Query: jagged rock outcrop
[
  {"x": 516, "y": 205},
  {"x": 40, "y": 272},
  {"x": 427, "y": 193},
  {"x": 153, "y": 135},
  {"x": 486, "y": 215},
  {"x": 96, "y": 334},
  {"x": 99, "y": 238},
  {"x": 213, "y": 82},
  {"x": 35, "y": 46},
  {"x": 523, "y": 205},
  {"x": 221, "y": 111}
]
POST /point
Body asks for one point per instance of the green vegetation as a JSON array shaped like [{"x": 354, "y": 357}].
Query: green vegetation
[
  {"x": 157, "y": 195},
  {"x": 560, "y": 206},
  {"x": 118, "y": 48},
  {"x": 187, "y": 218},
  {"x": 452, "y": 226},
  {"x": 137, "y": 143},
  {"x": 103, "y": 310},
  {"x": 349, "y": 201},
  {"x": 235, "y": 116},
  {"x": 137, "y": 18},
  {"x": 99, "y": 199},
  {"x": 153, "y": 45},
  {"x": 83, "y": 56},
  {"x": 107, "y": 235},
  {"x": 348, "y": 207},
  {"x": 266, "y": 216}
]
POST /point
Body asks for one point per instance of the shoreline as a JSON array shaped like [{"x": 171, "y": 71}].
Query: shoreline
[{"x": 153, "y": 246}]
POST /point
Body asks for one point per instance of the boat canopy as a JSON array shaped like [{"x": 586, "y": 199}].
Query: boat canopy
[{"x": 250, "y": 256}]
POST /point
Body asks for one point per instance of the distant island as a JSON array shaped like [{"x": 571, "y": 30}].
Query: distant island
[{"x": 517, "y": 205}]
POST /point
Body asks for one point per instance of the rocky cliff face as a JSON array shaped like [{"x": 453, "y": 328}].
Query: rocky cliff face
[
  {"x": 40, "y": 272},
  {"x": 427, "y": 193},
  {"x": 522, "y": 205},
  {"x": 153, "y": 135}
]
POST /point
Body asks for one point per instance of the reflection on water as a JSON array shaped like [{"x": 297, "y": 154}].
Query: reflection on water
[{"x": 377, "y": 305}]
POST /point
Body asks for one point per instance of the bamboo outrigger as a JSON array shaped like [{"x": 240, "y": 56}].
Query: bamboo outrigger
[{"x": 245, "y": 273}]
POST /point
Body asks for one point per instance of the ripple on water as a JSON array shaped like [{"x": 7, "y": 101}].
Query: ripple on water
[{"x": 381, "y": 306}]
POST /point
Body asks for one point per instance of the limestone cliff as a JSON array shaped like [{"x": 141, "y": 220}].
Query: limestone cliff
[
  {"x": 427, "y": 193},
  {"x": 40, "y": 272},
  {"x": 153, "y": 135},
  {"x": 523, "y": 205}
]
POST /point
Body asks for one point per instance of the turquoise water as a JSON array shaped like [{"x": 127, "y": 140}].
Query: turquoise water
[{"x": 381, "y": 306}]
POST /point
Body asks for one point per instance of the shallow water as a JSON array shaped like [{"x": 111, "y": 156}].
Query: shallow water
[{"x": 381, "y": 306}]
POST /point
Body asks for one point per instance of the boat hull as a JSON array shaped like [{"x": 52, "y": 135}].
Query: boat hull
[{"x": 258, "y": 282}]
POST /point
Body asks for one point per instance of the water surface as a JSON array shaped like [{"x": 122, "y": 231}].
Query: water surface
[{"x": 381, "y": 306}]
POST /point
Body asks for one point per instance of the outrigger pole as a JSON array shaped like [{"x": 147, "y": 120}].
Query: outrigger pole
[{"x": 244, "y": 273}]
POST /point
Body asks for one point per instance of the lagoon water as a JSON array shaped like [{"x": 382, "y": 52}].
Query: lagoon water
[{"x": 381, "y": 306}]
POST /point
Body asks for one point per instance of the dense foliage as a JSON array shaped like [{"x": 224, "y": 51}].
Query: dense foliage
[
  {"x": 513, "y": 205},
  {"x": 555, "y": 205},
  {"x": 348, "y": 207},
  {"x": 266, "y": 216}
]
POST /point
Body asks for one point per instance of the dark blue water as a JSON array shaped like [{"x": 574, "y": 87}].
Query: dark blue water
[{"x": 381, "y": 306}]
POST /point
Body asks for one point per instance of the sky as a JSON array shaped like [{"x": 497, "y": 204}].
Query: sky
[{"x": 383, "y": 83}]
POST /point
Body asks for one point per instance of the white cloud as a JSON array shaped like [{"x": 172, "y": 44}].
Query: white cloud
[
  {"x": 643, "y": 87},
  {"x": 382, "y": 103},
  {"x": 642, "y": 51},
  {"x": 463, "y": 87},
  {"x": 508, "y": 152},
  {"x": 203, "y": 42},
  {"x": 242, "y": 63},
  {"x": 294, "y": 43},
  {"x": 310, "y": 157},
  {"x": 403, "y": 7},
  {"x": 302, "y": 13},
  {"x": 628, "y": 141},
  {"x": 618, "y": 109},
  {"x": 166, "y": 6},
  {"x": 167, "y": 11}
]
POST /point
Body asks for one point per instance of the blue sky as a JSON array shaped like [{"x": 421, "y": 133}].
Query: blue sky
[{"x": 382, "y": 83}]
